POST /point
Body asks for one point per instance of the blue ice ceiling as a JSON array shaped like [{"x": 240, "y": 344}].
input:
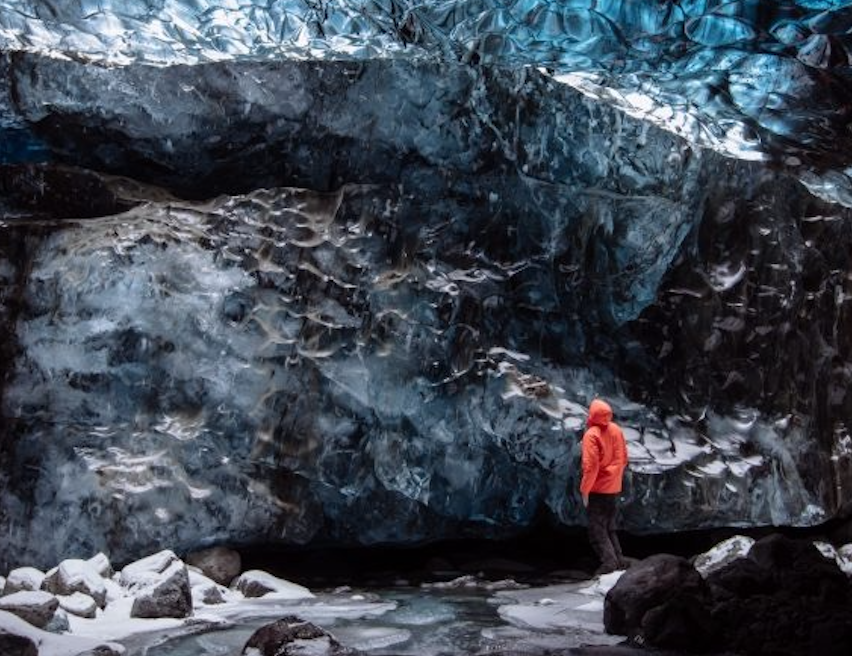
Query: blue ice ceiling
[
  {"x": 350, "y": 272},
  {"x": 759, "y": 80}
]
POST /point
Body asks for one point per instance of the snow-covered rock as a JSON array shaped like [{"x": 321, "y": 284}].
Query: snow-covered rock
[
  {"x": 59, "y": 622},
  {"x": 221, "y": 564},
  {"x": 206, "y": 591},
  {"x": 23, "y": 579},
  {"x": 49, "y": 644},
  {"x": 723, "y": 553},
  {"x": 102, "y": 565},
  {"x": 16, "y": 645},
  {"x": 147, "y": 571},
  {"x": 170, "y": 596},
  {"x": 292, "y": 636},
  {"x": 75, "y": 575},
  {"x": 256, "y": 583},
  {"x": 160, "y": 585},
  {"x": 33, "y": 606},
  {"x": 79, "y": 604}
]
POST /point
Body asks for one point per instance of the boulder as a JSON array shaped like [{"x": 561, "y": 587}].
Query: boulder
[
  {"x": 663, "y": 601},
  {"x": 35, "y": 607},
  {"x": 12, "y": 644},
  {"x": 221, "y": 564},
  {"x": 101, "y": 565},
  {"x": 785, "y": 598},
  {"x": 205, "y": 590},
  {"x": 291, "y": 636},
  {"x": 23, "y": 579},
  {"x": 256, "y": 583},
  {"x": 59, "y": 622},
  {"x": 147, "y": 571},
  {"x": 780, "y": 596},
  {"x": 104, "y": 650},
  {"x": 18, "y": 632},
  {"x": 79, "y": 604},
  {"x": 169, "y": 596},
  {"x": 75, "y": 575}
]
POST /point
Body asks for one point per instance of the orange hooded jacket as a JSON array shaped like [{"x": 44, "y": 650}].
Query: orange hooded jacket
[{"x": 604, "y": 452}]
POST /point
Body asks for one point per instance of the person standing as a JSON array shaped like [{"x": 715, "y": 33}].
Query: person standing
[{"x": 604, "y": 462}]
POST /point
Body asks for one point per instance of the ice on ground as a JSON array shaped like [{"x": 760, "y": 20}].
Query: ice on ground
[
  {"x": 423, "y": 611},
  {"x": 369, "y": 638},
  {"x": 603, "y": 584},
  {"x": 564, "y": 607}
]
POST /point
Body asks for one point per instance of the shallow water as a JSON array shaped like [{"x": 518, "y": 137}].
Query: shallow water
[{"x": 421, "y": 622}]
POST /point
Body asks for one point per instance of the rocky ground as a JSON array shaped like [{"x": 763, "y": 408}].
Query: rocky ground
[{"x": 775, "y": 595}]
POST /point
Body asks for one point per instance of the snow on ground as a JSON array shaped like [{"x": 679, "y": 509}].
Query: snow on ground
[
  {"x": 115, "y": 623},
  {"x": 51, "y": 644}
]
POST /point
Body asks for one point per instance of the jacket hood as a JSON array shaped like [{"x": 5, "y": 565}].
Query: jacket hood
[{"x": 600, "y": 414}]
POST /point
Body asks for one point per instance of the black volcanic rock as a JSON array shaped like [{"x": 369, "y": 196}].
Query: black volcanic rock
[
  {"x": 662, "y": 600},
  {"x": 785, "y": 598}
]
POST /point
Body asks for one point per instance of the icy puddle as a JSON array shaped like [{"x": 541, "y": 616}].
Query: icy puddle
[{"x": 462, "y": 617}]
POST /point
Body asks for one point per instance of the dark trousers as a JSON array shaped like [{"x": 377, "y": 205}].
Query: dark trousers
[{"x": 602, "y": 510}]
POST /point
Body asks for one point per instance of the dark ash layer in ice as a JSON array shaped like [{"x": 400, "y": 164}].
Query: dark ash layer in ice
[{"x": 407, "y": 354}]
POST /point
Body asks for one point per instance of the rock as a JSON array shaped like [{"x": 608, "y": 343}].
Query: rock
[
  {"x": 101, "y": 565},
  {"x": 785, "y": 598},
  {"x": 221, "y": 564},
  {"x": 48, "y": 643},
  {"x": 205, "y": 590},
  {"x": 104, "y": 650},
  {"x": 663, "y": 601},
  {"x": 79, "y": 604},
  {"x": 23, "y": 579},
  {"x": 147, "y": 571},
  {"x": 211, "y": 596},
  {"x": 35, "y": 607},
  {"x": 59, "y": 622},
  {"x": 170, "y": 596},
  {"x": 160, "y": 583},
  {"x": 16, "y": 645},
  {"x": 256, "y": 583},
  {"x": 291, "y": 636},
  {"x": 75, "y": 575}
]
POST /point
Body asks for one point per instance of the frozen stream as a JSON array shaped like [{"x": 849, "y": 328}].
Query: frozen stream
[{"x": 465, "y": 616}]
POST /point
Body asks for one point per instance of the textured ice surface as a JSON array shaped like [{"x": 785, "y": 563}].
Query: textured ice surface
[
  {"x": 750, "y": 78},
  {"x": 406, "y": 352},
  {"x": 283, "y": 365}
]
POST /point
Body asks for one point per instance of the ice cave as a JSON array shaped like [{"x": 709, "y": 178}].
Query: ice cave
[{"x": 306, "y": 275}]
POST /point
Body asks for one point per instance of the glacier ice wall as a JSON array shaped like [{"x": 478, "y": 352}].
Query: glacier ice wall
[{"x": 353, "y": 277}]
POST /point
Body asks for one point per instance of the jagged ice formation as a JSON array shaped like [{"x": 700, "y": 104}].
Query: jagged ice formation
[{"x": 349, "y": 272}]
